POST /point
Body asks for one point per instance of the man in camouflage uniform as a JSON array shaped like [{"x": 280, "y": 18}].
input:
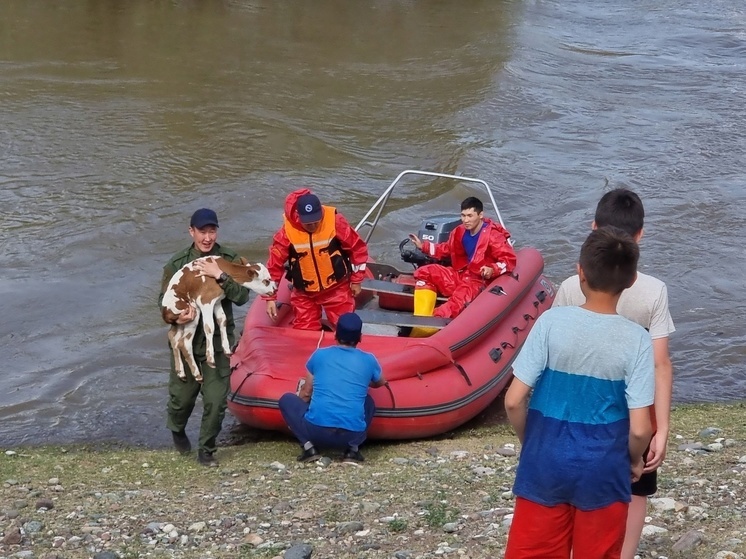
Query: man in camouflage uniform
[{"x": 203, "y": 228}]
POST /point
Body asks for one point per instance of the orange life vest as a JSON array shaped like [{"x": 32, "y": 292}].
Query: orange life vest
[{"x": 316, "y": 261}]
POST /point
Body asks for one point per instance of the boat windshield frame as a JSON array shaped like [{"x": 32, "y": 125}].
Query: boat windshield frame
[{"x": 377, "y": 207}]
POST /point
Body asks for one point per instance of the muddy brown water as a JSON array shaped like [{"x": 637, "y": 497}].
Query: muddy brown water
[{"x": 119, "y": 119}]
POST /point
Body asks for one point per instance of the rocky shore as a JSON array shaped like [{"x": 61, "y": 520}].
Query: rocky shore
[{"x": 449, "y": 497}]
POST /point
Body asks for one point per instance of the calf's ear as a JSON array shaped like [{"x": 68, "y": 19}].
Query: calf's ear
[{"x": 243, "y": 261}]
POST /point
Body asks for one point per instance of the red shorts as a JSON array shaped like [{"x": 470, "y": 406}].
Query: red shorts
[{"x": 556, "y": 532}]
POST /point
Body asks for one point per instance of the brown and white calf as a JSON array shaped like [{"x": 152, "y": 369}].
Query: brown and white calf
[{"x": 187, "y": 287}]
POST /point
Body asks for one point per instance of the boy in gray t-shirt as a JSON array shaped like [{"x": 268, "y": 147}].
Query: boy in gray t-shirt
[{"x": 645, "y": 303}]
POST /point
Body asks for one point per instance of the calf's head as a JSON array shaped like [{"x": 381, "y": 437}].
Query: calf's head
[{"x": 255, "y": 277}]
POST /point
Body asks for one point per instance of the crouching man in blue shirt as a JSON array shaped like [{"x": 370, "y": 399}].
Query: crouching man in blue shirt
[{"x": 333, "y": 408}]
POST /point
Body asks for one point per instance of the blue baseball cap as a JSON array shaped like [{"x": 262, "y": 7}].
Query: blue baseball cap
[
  {"x": 309, "y": 208},
  {"x": 203, "y": 217},
  {"x": 349, "y": 328}
]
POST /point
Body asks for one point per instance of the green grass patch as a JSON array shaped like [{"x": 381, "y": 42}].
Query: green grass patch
[
  {"x": 397, "y": 525},
  {"x": 439, "y": 512}
]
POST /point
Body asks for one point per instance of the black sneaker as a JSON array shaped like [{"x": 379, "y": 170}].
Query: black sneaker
[
  {"x": 309, "y": 455},
  {"x": 181, "y": 442},
  {"x": 207, "y": 459},
  {"x": 352, "y": 457}
]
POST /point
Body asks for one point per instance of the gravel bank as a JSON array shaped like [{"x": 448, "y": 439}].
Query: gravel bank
[{"x": 449, "y": 497}]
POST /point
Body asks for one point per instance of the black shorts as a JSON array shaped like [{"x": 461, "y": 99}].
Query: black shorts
[{"x": 648, "y": 483}]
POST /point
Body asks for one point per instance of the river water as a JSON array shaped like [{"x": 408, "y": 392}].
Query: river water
[{"x": 118, "y": 119}]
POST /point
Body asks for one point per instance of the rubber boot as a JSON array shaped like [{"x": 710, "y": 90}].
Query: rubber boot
[{"x": 424, "y": 305}]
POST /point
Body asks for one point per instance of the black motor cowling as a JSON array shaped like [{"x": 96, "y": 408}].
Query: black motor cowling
[{"x": 435, "y": 229}]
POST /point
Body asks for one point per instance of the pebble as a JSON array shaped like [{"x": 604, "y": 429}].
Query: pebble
[
  {"x": 691, "y": 446},
  {"x": 349, "y": 527},
  {"x": 12, "y": 536},
  {"x": 506, "y": 451},
  {"x": 253, "y": 539},
  {"x": 710, "y": 432},
  {"x": 688, "y": 541},
  {"x": 662, "y": 504},
  {"x": 33, "y": 526},
  {"x": 302, "y": 551},
  {"x": 651, "y": 530},
  {"x": 44, "y": 504},
  {"x": 282, "y": 506}
]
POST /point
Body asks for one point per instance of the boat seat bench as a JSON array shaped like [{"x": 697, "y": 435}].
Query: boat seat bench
[
  {"x": 382, "y": 286},
  {"x": 393, "y": 318}
]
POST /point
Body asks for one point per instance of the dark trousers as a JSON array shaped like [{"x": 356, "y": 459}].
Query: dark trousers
[
  {"x": 294, "y": 409},
  {"x": 182, "y": 397}
]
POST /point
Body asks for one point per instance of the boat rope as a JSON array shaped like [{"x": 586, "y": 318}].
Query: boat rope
[
  {"x": 431, "y": 346},
  {"x": 235, "y": 392},
  {"x": 450, "y": 358},
  {"x": 391, "y": 393}
]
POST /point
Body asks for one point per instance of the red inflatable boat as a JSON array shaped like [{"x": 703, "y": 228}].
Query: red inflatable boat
[{"x": 435, "y": 383}]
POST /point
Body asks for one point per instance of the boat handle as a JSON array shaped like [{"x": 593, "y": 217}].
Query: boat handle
[
  {"x": 496, "y": 353},
  {"x": 463, "y": 373}
]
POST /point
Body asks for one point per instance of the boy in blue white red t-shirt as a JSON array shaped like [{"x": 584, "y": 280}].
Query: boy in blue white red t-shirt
[{"x": 578, "y": 404}]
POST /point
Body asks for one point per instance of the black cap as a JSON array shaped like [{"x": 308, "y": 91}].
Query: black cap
[
  {"x": 349, "y": 328},
  {"x": 309, "y": 208},
  {"x": 203, "y": 217}
]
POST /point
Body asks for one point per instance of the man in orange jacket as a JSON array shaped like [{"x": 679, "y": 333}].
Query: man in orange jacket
[
  {"x": 323, "y": 257},
  {"x": 479, "y": 252}
]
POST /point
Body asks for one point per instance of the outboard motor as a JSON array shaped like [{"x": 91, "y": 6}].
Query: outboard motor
[{"x": 435, "y": 229}]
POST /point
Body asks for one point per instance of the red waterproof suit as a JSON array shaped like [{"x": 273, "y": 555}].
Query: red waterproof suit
[
  {"x": 463, "y": 281},
  {"x": 336, "y": 299}
]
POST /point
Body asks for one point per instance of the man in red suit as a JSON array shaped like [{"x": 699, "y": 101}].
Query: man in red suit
[
  {"x": 323, "y": 257},
  {"x": 479, "y": 252}
]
